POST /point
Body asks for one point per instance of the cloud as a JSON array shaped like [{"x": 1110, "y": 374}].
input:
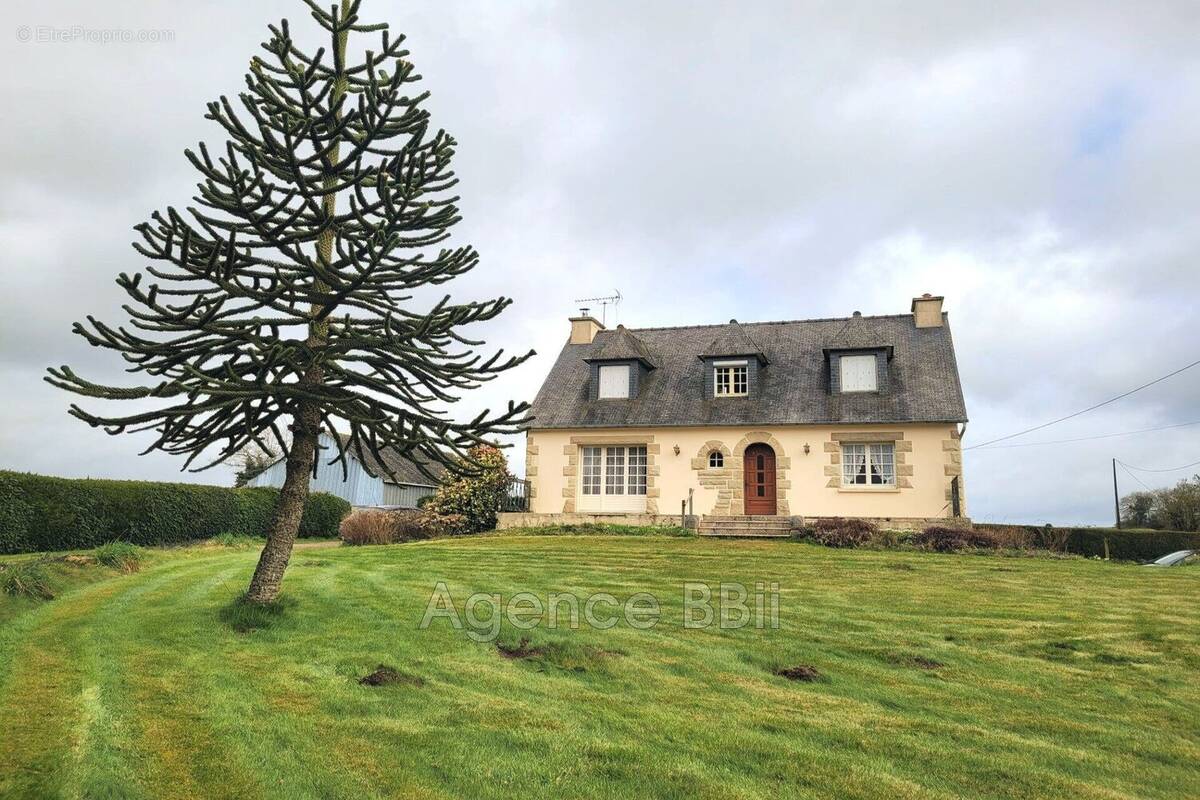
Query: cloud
[{"x": 1033, "y": 163}]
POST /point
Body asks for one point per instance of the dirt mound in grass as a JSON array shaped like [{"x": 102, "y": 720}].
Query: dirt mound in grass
[
  {"x": 801, "y": 672},
  {"x": 519, "y": 650},
  {"x": 925, "y": 663},
  {"x": 386, "y": 676}
]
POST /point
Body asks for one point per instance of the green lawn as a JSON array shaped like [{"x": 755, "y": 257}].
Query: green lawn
[{"x": 1057, "y": 678}]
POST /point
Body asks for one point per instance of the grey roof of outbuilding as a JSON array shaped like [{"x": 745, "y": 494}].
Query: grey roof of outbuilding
[
  {"x": 404, "y": 471},
  {"x": 923, "y": 383}
]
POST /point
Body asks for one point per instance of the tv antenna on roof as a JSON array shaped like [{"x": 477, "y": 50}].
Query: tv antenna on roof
[{"x": 615, "y": 299}]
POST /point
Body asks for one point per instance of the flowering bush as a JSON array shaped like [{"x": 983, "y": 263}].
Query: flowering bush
[{"x": 468, "y": 499}]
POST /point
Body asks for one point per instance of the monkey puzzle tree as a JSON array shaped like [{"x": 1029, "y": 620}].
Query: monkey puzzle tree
[{"x": 281, "y": 300}]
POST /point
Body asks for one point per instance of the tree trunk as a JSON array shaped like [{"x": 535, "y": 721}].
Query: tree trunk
[
  {"x": 285, "y": 524},
  {"x": 268, "y": 575}
]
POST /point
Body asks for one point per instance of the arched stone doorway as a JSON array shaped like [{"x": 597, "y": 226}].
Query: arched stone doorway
[{"x": 759, "y": 486}]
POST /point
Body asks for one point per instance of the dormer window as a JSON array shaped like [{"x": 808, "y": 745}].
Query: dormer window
[
  {"x": 730, "y": 379},
  {"x": 858, "y": 373},
  {"x": 614, "y": 382}
]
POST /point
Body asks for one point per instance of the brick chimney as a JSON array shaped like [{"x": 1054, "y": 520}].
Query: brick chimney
[
  {"x": 584, "y": 329},
  {"x": 927, "y": 311}
]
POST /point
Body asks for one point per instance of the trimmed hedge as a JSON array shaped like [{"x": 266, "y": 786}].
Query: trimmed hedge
[
  {"x": 1130, "y": 545},
  {"x": 40, "y": 513},
  {"x": 1123, "y": 544}
]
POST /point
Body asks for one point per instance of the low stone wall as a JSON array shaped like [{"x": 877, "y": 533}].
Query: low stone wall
[
  {"x": 507, "y": 520},
  {"x": 899, "y": 523}
]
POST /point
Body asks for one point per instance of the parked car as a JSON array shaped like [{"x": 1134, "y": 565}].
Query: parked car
[{"x": 1176, "y": 559}]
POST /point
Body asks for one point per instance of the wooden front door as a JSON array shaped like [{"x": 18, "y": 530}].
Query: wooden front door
[{"x": 759, "y": 483}]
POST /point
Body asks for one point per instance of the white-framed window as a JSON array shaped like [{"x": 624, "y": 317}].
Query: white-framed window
[
  {"x": 590, "y": 480},
  {"x": 869, "y": 464},
  {"x": 858, "y": 373},
  {"x": 614, "y": 470},
  {"x": 614, "y": 381},
  {"x": 730, "y": 379},
  {"x": 636, "y": 473},
  {"x": 613, "y": 478},
  {"x": 716, "y": 459}
]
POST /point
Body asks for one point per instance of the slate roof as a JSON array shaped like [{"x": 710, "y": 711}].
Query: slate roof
[
  {"x": 621, "y": 345},
  {"x": 733, "y": 340},
  {"x": 923, "y": 383}
]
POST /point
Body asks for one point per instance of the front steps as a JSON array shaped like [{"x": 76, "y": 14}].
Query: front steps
[{"x": 755, "y": 526}]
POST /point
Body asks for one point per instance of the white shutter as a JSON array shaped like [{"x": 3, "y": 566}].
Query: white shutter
[
  {"x": 858, "y": 373},
  {"x": 614, "y": 381}
]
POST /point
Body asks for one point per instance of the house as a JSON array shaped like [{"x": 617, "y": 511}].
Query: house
[
  {"x": 357, "y": 487},
  {"x": 861, "y": 416}
]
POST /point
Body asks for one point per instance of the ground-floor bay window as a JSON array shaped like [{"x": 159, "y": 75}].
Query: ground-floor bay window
[
  {"x": 869, "y": 465},
  {"x": 612, "y": 479}
]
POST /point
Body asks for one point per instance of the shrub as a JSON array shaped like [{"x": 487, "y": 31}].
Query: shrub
[
  {"x": 411, "y": 524},
  {"x": 377, "y": 526},
  {"x": 889, "y": 539},
  {"x": 368, "y": 526},
  {"x": 948, "y": 540},
  {"x": 1123, "y": 544},
  {"x": 469, "y": 497},
  {"x": 27, "y": 579},
  {"x": 121, "y": 556},
  {"x": 40, "y": 513},
  {"x": 1016, "y": 537},
  {"x": 255, "y": 507},
  {"x": 839, "y": 532},
  {"x": 15, "y": 512},
  {"x": 323, "y": 512},
  {"x": 446, "y": 524}
]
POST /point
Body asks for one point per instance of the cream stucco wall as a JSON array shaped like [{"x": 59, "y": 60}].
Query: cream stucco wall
[{"x": 928, "y": 456}]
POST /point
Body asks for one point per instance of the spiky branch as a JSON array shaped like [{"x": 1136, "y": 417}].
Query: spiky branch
[{"x": 283, "y": 294}]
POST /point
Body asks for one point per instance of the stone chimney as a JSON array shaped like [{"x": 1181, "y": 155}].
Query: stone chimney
[
  {"x": 584, "y": 329},
  {"x": 927, "y": 311}
]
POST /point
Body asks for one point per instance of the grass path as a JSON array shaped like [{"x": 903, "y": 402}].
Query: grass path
[{"x": 1058, "y": 678}]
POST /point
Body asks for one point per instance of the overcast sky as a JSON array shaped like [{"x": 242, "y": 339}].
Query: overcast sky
[{"x": 1034, "y": 163}]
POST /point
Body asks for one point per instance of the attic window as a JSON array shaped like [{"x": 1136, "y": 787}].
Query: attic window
[
  {"x": 858, "y": 373},
  {"x": 730, "y": 379},
  {"x": 614, "y": 382}
]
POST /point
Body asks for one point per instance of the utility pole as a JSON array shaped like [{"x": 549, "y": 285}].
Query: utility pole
[{"x": 1116, "y": 496}]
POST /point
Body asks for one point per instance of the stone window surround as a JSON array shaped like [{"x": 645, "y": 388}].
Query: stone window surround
[
  {"x": 952, "y": 448},
  {"x": 571, "y": 468},
  {"x": 902, "y": 447},
  {"x": 531, "y": 468},
  {"x": 728, "y": 480}
]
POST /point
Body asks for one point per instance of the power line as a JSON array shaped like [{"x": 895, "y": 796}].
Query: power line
[
  {"x": 1172, "y": 469},
  {"x": 1087, "y": 438},
  {"x": 1086, "y": 410},
  {"x": 1135, "y": 477}
]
